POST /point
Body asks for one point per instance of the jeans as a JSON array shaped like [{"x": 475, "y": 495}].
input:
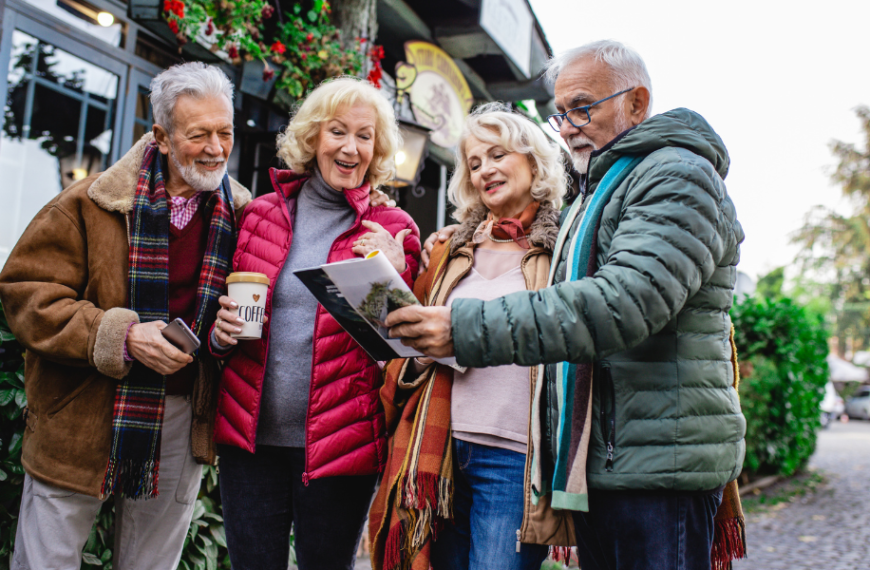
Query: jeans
[
  {"x": 263, "y": 495},
  {"x": 487, "y": 511},
  {"x": 633, "y": 530}
]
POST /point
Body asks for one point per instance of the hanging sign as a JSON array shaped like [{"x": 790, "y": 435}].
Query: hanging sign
[{"x": 440, "y": 97}]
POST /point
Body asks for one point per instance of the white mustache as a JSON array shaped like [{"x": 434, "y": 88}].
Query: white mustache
[{"x": 579, "y": 141}]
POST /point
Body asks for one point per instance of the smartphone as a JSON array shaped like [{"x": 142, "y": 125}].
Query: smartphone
[{"x": 180, "y": 335}]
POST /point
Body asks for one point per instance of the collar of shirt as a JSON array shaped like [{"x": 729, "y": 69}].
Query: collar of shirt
[{"x": 181, "y": 210}]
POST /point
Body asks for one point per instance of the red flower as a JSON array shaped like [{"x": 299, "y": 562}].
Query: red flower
[
  {"x": 268, "y": 74},
  {"x": 233, "y": 52},
  {"x": 167, "y": 6},
  {"x": 278, "y": 47},
  {"x": 267, "y": 12},
  {"x": 309, "y": 37},
  {"x": 304, "y": 56},
  {"x": 209, "y": 28},
  {"x": 173, "y": 25},
  {"x": 177, "y": 8},
  {"x": 375, "y": 76}
]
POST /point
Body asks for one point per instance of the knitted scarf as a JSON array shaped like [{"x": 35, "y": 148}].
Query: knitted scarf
[
  {"x": 416, "y": 494},
  {"x": 134, "y": 460}
]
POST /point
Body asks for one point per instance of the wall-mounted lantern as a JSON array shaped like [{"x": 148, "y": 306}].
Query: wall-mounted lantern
[{"x": 411, "y": 155}]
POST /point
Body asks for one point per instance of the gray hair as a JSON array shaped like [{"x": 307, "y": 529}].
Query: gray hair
[
  {"x": 195, "y": 79},
  {"x": 627, "y": 66}
]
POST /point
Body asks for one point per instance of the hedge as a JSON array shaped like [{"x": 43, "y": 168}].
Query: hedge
[{"x": 782, "y": 348}]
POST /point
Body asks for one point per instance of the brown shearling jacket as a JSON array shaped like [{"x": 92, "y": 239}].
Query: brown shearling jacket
[{"x": 64, "y": 290}]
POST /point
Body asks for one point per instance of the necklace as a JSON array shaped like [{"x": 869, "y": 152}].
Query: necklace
[{"x": 499, "y": 240}]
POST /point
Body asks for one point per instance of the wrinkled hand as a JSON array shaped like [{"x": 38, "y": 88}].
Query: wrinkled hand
[
  {"x": 147, "y": 345},
  {"x": 227, "y": 323},
  {"x": 426, "y": 329},
  {"x": 443, "y": 234},
  {"x": 379, "y": 238},
  {"x": 378, "y": 198}
]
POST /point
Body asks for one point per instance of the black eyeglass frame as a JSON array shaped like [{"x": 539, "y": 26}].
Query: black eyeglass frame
[{"x": 557, "y": 118}]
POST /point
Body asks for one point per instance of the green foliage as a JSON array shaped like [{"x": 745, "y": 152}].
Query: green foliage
[
  {"x": 303, "y": 44},
  {"x": 205, "y": 547},
  {"x": 782, "y": 348},
  {"x": 770, "y": 285},
  {"x": 12, "y": 402},
  {"x": 836, "y": 247}
]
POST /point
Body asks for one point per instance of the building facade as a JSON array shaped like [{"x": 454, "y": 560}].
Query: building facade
[{"x": 78, "y": 73}]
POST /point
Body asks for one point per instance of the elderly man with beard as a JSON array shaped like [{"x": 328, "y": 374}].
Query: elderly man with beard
[
  {"x": 638, "y": 428},
  {"x": 113, "y": 408}
]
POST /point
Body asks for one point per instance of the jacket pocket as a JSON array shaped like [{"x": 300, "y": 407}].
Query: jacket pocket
[
  {"x": 607, "y": 397},
  {"x": 61, "y": 403}
]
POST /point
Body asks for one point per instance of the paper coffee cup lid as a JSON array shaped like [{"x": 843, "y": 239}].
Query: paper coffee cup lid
[{"x": 247, "y": 277}]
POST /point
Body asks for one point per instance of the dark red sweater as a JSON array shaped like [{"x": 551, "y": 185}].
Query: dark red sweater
[{"x": 186, "y": 250}]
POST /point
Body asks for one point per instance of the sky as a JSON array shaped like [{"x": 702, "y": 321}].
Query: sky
[{"x": 777, "y": 80}]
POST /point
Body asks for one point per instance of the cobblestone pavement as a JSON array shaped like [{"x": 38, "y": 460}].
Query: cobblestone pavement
[{"x": 829, "y": 528}]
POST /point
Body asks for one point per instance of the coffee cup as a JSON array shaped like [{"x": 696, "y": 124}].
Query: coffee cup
[{"x": 249, "y": 290}]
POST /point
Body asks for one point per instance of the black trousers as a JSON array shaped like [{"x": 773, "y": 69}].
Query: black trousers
[
  {"x": 263, "y": 496},
  {"x": 631, "y": 530}
]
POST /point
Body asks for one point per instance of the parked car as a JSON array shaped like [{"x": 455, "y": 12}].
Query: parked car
[
  {"x": 858, "y": 405},
  {"x": 832, "y": 405}
]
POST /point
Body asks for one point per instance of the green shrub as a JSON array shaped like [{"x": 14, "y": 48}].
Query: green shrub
[
  {"x": 205, "y": 544},
  {"x": 782, "y": 349}
]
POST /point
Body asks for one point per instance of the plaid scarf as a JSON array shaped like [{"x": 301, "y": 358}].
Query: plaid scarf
[
  {"x": 134, "y": 460},
  {"x": 416, "y": 494}
]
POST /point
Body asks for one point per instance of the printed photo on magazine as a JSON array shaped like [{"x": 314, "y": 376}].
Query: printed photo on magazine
[{"x": 359, "y": 294}]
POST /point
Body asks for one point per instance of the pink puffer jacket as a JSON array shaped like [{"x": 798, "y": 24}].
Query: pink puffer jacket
[{"x": 344, "y": 429}]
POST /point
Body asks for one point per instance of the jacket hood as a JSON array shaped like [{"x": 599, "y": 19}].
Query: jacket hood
[
  {"x": 115, "y": 188},
  {"x": 680, "y": 128},
  {"x": 542, "y": 233}
]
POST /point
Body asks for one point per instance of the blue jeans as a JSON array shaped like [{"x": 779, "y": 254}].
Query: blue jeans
[
  {"x": 262, "y": 495},
  {"x": 488, "y": 512},
  {"x": 634, "y": 530}
]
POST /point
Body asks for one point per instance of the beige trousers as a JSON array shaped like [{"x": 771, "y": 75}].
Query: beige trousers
[{"x": 54, "y": 524}]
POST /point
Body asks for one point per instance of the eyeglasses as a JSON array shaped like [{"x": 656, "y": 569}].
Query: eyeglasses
[{"x": 579, "y": 116}]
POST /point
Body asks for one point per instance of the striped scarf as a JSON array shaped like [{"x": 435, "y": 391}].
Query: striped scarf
[
  {"x": 134, "y": 460},
  {"x": 574, "y": 381},
  {"x": 574, "y": 387}
]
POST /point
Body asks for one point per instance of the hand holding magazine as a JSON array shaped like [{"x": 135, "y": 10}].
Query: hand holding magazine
[{"x": 359, "y": 294}]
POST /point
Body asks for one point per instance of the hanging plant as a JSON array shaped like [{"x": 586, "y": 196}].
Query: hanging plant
[{"x": 304, "y": 50}]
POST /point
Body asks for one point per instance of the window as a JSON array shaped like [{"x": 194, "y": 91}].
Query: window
[{"x": 58, "y": 128}]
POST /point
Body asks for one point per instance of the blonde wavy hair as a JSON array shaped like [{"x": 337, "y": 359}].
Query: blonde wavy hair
[
  {"x": 297, "y": 145},
  {"x": 496, "y": 124}
]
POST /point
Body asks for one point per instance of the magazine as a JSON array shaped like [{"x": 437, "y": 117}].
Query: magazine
[{"x": 359, "y": 293}]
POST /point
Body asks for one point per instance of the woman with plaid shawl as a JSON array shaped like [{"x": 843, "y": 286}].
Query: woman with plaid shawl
[{"x": 456, "y": 492}]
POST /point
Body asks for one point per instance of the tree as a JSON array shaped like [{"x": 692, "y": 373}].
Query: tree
[{"x": 837, "y": 247}]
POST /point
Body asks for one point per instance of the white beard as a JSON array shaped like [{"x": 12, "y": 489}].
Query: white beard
[
  {"x": 580, "y": 158},
  {"x": 199, "y": 181}
]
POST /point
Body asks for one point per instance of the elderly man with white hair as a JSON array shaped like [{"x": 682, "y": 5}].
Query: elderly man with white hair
[
  {"x": 113, "y": 407},
  {"x": 638, "y": 429}
]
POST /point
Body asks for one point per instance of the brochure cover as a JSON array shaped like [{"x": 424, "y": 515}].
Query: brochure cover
[{"x": 359, "y": 293}]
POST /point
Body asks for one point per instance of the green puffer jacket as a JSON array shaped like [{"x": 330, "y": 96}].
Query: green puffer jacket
[{"x": 653, "y": 318}]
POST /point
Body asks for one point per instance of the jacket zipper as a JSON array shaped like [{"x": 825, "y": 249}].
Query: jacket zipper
[
  {"x": 608, "y": 416},
  {"x": 306, "y": 475}
]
